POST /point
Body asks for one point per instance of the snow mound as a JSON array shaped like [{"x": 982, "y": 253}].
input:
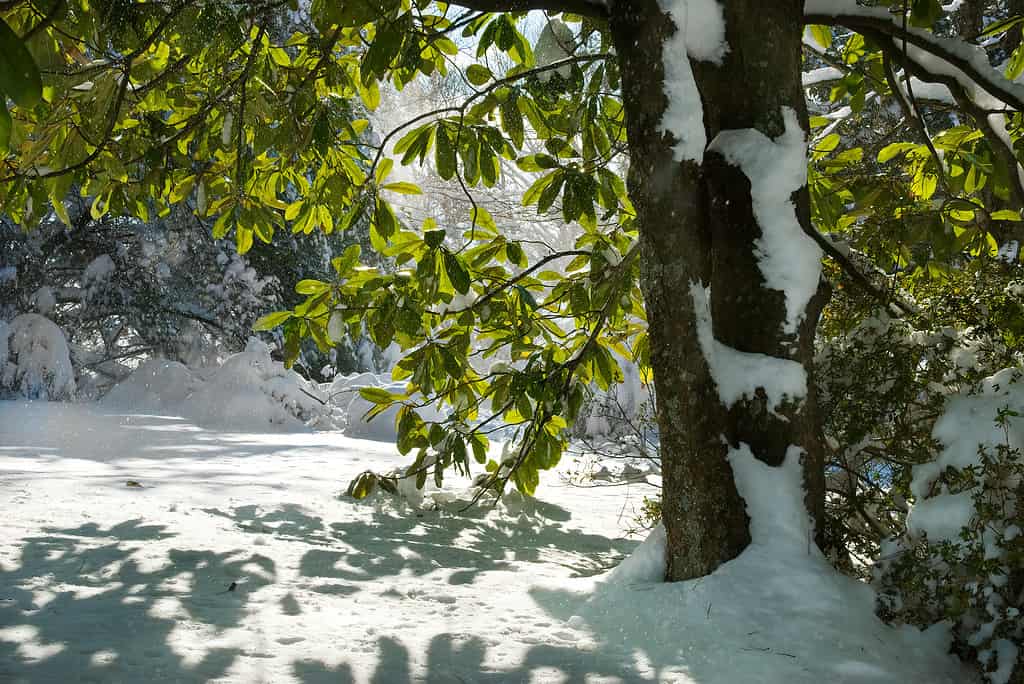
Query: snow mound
[
  {"x": 249, "y": 391},
  {"x": 155, "y": 385},
  {"x": 777, "y": 613},
  {"x": 35, "y": 362}
]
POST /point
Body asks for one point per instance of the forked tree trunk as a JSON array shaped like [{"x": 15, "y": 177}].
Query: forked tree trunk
[{"x": 697, "y": 225}]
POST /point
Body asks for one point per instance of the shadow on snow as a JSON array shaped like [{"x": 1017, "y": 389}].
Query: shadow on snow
[{"x": 92, "y": 604}]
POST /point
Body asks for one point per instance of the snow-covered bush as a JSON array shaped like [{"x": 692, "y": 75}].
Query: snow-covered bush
[
  {"x": 249, "y": 391},
  {"x": 124, "y": 290},
  {"x": 962, "y": 555},
  {"x": 881, "y": 386},
  {"x": 923, "y": 454},
  {"x": 34, "y": 360}
]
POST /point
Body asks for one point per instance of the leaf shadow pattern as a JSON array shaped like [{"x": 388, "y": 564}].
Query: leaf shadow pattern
[
  {"x": 82, "y": 601},
  {"x": 285, "y": 521},
  {"x": 457, "y": 659},
  {"x": 392, "y": 544}
]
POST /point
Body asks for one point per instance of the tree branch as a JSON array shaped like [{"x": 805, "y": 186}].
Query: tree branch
[
  {"x": 597, "y": 9},
  {"x": 894, "y": 303},
  {"x": 965, "y": 102},
  {"x": 970, "y": 61}
]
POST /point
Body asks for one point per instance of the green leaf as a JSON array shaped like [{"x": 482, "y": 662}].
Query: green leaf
[
  {"x": 1015, "y": 65},
  {"x": 478, "y": 74},
  {"x": 319, "y": 334},
  {"x": 370, "y": 94},
  {"x": 5, "y": 125},
  {"x": 444, "y": 153},
  {"x": 383, "y": 169},
  {"x": 457, "y": 273},
  {"x": 243, "y": 239},
  {"x": 309, "y": 286},
  {"x": 512, "y": 121},
  {"x": 923, "y": 184},
  {"x": 482, "y": 219},
  {"x": 515, "y": 254},
  {"x": 894, "y": 150},
  {"x": 362, "y": 486},
  {"x": 828, "y": 143},
  {"x": 271, "y": 320},
  {"x": 349, "y": 258},
  {"x": 352, "y": 12},
  {"x": 376, "y": 395},
  {"x": 527, "y": 297},
  {"x": 1006, "y": 215},
  {"x": 385, "y": 48},
  {"x": 434, "y": 238},
  {"x": 997, "y": 27},
  {"x": 19, "y": 76},
  {"x": 384, "y": 220},
  {"x": 550, "y": 193},
  {"x": 822, "y": 35},
  {"x": 403, "y": 188},
  {"x": 924, "y": 13}
]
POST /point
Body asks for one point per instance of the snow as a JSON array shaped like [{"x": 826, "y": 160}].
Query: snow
[
  {"x": 941, "y": 517},
  {"x": 939, "y": 56},
  {"x": 967, "y": 427},
  {"x": 820, "y": 75},
  {"x": 751, "y": 620},
  {"x": 997, "y": 122},
  {"x": 99, "y": 269},
  {"x": 789, "y": 260},
  {"x": 739, "y": 374},
  {"x": 775, "y": 501},
  {"x": 34, "y": 359},
  {"x": 553, "y": 45},
  {"x": 1005, "y": 652},
  {"x": 157, "y": 385},
  {"x": 705, "y": 30},
  {"x": 700, "y": 35},
  {"x": 44, "y": 300},
  {"x": 968, "y": 422},
  {"x": 248, "y": 391},
  {"x": 925, "y": 48},
  {"x": 124, "y": 534}
]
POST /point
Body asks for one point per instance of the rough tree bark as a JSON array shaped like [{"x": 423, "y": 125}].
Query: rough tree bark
[{"x": 697, "y": 224}]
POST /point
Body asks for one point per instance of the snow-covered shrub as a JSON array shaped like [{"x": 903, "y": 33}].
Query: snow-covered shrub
[
  {"x": 923, "y": 460},
  {"x": 881, "y": 386},
  {"x": 34, "y": 359},
  {"x": 123, "y": 290},
  {"x": 249, "y": 391},
  {"x": 962, "y": 555}
]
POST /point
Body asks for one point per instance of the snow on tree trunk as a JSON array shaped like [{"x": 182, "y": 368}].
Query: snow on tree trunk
[{"x": 731, "y": 282}]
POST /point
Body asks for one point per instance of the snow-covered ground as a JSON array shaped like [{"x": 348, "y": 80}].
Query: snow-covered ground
[{"x": 144, "y": 548}]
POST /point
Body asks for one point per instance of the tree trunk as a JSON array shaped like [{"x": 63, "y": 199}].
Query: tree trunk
[{"x": 698, "y": 226}]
